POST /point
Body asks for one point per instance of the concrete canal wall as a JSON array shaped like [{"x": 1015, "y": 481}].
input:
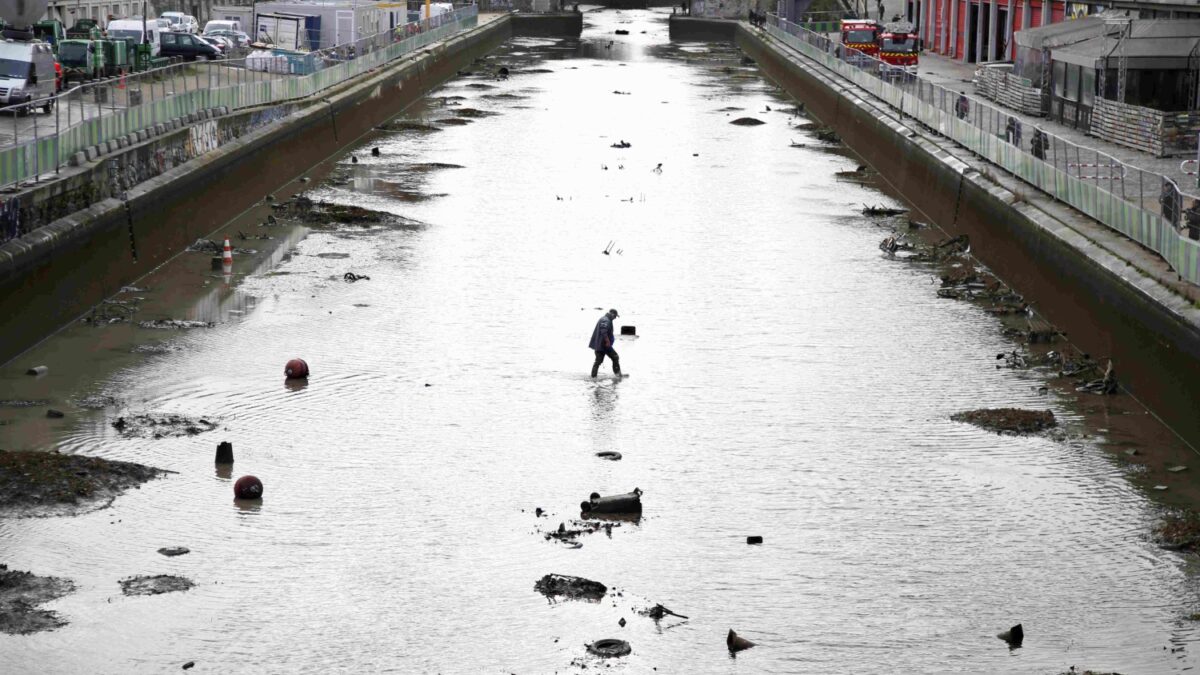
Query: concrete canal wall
[
  {"x": 184, "y": 182},
  {"x": 1151, "y": 333}
]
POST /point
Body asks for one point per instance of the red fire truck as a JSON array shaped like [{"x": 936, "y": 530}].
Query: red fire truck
[
  {"x": 861, "y": 34},
  {"x": 899, "y": 45}
]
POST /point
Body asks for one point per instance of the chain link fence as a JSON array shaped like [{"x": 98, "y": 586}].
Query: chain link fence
[{"x": 1148, "y": 207}]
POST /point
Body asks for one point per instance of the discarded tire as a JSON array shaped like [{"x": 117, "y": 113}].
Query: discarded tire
[
  {"x": 248, "y": 487},
  {"x": 609, "y": 455},
  {"x": 610, "y": 648},
  {"x": 630, "y": 502},
  {"x": 296, "y": 369}
]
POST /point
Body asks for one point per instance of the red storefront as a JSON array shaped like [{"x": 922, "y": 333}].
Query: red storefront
[{"x": 981, "y": 30}]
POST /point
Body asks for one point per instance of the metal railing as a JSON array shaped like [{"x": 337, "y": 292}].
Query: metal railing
[
  {"x": 95, "y": 113},
  {"x": 1145, "y": 206}
]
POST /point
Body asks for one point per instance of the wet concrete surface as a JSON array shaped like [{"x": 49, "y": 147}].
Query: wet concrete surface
[{"x": 790, "y": 381}]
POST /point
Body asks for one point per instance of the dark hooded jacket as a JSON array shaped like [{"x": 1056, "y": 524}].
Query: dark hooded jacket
[{"x": 604, "y": 330}]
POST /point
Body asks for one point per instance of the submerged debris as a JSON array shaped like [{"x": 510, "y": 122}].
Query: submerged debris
[
  {"x": 34, "y": 481},
  {"x": 21, "y": 593},
  {"x": 1105, "y": 385},
  {"x": 205, "y": 246},
  {"x": 571, "y": 588},
  {"x": 621, "y": 144},
  {"x": 352, "y": 277},
  {"x": 306, "y": 210},
  {"x": 569, "y": 535},
  {"x": 172, "y": 551},
  {"x": 882, "y": 211},
  {"x": 659, "y": 612},
  {"x": 175, "y": 324},
  {"x": 22, "y": 403},
  {"x": 407, "y": 125},
  {"x": 828, "y": 135},
  {"x": 1008, "y": 420},
  {"x": 1179, "y": 531},
  {"x": 161, "y": 426},
  {"x": 155, "y": 585},
  {"x": 610, "y": 648},
  {"x": 747, "y": 122}
]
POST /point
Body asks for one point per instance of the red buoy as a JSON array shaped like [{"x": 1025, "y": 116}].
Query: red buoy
[
  {"x": 296, "y": 369},
  {"x": 248, "y": 487}
]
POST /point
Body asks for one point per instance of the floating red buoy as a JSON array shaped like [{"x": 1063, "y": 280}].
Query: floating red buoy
[
  {"x": 248, "y": 487},
  {"x": 296, "y": 369}
]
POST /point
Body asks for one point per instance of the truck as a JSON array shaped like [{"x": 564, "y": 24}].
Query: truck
[
  {"x": 118, "y": 57},
  {"x": 50, "y": 31},
  {"x": 84, "y": 29},
  {"x": 861, "y": 35},
  {"x": 81, "y": 59},
  {"x": 899, "y": 48}
]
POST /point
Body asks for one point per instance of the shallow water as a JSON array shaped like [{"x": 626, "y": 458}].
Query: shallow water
[{"x": 788, "y": 381}]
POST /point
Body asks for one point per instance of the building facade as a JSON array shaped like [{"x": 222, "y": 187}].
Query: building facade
[
  {"x": 975, "y": 31},
  {"x": 103, "y": 10}
]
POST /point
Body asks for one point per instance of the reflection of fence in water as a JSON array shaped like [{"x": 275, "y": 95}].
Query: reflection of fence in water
[{"x": 1127, "y": 205}]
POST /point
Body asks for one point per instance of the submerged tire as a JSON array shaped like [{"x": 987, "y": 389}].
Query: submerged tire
[{"x": 610, "y": 648}]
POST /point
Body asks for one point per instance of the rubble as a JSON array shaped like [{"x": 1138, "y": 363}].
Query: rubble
[{"x": 175, "y": 324}]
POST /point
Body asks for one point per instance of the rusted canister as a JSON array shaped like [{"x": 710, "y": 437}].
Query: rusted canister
[
  {"x": 248, "y": 487},
  {"x": 296, "y": 369},
  {"x": 630, "y": 502}
]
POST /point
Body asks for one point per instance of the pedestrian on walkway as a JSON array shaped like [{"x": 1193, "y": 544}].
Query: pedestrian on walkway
[
  {"x": 602, "y": 343},
  {"x": 1038, "y": 144},
  {"x": 1012, "y": 131},
  {"x": 879, "y": 9},
  {"x": 962, "y": 108}
]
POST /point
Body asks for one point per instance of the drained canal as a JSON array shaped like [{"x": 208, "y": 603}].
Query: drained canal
[{"x": 787, "y": 380}]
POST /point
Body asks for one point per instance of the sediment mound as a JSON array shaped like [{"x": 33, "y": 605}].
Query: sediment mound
[{"x": 1008, "y": 420}]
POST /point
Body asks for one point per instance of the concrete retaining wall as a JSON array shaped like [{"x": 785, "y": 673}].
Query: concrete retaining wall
[
  {"x": 1077, "y": 284},
  {"x": 176, "y": 194}
]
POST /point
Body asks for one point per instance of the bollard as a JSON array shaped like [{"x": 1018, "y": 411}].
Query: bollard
[
  {"x": 736, "y": 643},
  {"x": 630, "y": 502},
  {"x": 296, "y": 369},
  {"x": 628, "y": 330},
  {"x": 224, "y": 452},
  {"x": 248, "y": 487},
  {"x": 217, "y": 263}
]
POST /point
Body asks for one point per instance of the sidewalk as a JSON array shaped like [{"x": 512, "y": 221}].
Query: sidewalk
[{"x": 958, "y": 76}]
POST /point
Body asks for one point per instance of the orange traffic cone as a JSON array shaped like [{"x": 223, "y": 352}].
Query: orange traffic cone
[{"x": 227, "y": 254}]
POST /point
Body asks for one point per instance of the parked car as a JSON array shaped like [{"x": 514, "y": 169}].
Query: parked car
[
  {"x": 189, "y": 46},
  {"x": 222, "y": 24},
  {"x": 182, "y": 23},
  {"x": 239, "y": 38},
  {"x": 218, "y": 42}
]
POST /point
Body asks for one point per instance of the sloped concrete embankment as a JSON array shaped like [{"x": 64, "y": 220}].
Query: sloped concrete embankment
[
  {"x": 185, "y": 182},
  {"x": 1109, "y": 308}
]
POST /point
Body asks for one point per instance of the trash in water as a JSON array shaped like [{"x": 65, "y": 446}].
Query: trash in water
[
  {"x": 161, "y": 426},
  {"x": 352, "y": 277},
  {"x": 610, "y": 648},
  {"x": 172, "y": 551},
  {"x": 571, "y": 588},
  {"x": 630, "y": 502},
  {"x": 882, "y": 211}
]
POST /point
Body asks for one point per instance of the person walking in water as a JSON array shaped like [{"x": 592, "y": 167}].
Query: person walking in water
[{"x": 602, "y": 343}]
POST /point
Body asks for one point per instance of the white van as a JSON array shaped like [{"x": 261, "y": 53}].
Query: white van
[
  {"x": 26, "y": 73},
  {"x": 130, "y": 30},
  {"x": 222, "y": 24}
]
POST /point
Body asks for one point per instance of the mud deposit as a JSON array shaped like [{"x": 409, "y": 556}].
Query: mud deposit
[
  {"x": 48, "y": 483},
  {"x": 155, "y": 585},
  {"x": 20, "y": 595},
  {"x": 1008, "y": 420}
]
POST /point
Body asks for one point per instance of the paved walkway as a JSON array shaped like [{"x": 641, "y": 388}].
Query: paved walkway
[{"x": 957, "y": 75}]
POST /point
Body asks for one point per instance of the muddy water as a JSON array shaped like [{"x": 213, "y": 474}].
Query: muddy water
[{"x": 787, "y": 381}]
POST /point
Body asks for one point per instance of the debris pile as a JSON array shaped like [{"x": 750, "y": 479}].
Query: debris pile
[
  {"x": 37, "y": 481},
  {"x": 175, "y": 324},
  {"x": 570, "y": 588},
  {"x": 161, "y": 426}
]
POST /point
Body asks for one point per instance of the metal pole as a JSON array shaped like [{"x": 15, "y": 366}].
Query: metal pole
[{"x": 57, "y": 136}]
